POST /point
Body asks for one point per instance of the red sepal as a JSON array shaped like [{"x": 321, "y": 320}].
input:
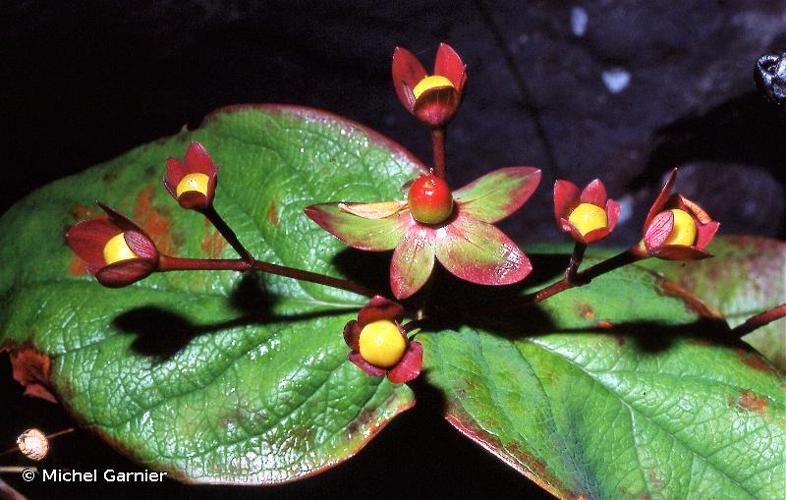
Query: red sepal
[
  {"x": 437, "y": 106},
  {"x": 196, "y": 161},
  {"x": 410, "y": 365},
  {"x": 364, "y": 365},
  {"x": 660, "y": 221},
  {"x": 660, "y": 202},
  {"x": 88, "y": 238},
  {"x": 567, "y": 197},
  {"x": 379, "y": 308},
  {"x": 352, "y": 335},
  {"x": 407, "y": 72}
]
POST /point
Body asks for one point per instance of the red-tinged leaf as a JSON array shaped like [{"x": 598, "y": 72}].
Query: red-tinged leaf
[
  {"x": 358, "y": 232},
  {"x": 407, "y": 72},
  {"x": 480, "y": 253},
  {"x": 169, "y": 371},
  {"x": 595, "y": 193},
  {"x": 409, "y": 367},
  {"x": 498, "y": 194},
  {"x": 625, "y": 388},
  {"x": 744, "y": 278},
  {"x": 566, "y": 198},
  {"x": 449, "y": 64},
  {"x": 413, "y": 261},
  {"x": 379, "y": 210}
]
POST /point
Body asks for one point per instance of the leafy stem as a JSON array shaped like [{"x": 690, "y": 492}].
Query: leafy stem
[
  {"x": 629, "y": 256},
  {"x": 227, "y": 232},
  {"x": 575, "y": 262},
  {"x": 760, "y": 320}
]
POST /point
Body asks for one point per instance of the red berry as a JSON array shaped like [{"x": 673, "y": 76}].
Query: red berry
[{"x": 430, "y": 200}]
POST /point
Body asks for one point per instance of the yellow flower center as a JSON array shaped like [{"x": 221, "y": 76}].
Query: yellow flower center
[
  {"x": 382, "y": 344},
  {"x": 588, "y": 217},
  {"x": 684, "y": 230},
  {"x": 116, "y": 249},
  {"x": 193, "y": 182},
  {"x": 431, "y": 82}
]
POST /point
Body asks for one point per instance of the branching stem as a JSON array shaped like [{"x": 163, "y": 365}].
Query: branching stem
[{"x": 168, "y": 263}]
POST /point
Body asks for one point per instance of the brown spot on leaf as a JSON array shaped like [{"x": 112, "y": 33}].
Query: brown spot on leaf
[
  {"x": 753, "y": 360},
  {"x": 154, "y": 220},
  {"x": 692, "y": 302},
  {"x": 585, "y": 311},
  {"x": 32, "y": 369},
  {"x": 82, "y": 211},
  {"x": 606, "y": 325},
  {"x": 752, "y": 402},
  {"x": 77, "y": 266},
  {"x": 272, "y": 213},
  {"x": 212, "y": 243}
]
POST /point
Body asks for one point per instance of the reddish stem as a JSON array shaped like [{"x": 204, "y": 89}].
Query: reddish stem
[
  {"x": 438, "y": 146},
  {"x": 760, "y": 320},
  {"x": 622, "y": 259},
  {"x": 575, "y": 262},
  {"x": 229, "y": 235},
  {"x": 168, "y": 263}
]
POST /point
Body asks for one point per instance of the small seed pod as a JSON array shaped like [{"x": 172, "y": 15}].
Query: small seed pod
[{"x": 33, "y": 444}]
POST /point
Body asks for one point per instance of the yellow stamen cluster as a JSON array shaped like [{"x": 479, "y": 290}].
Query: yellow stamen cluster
[
  {"x": 382, "y": 344},
  {"x": 684, "y": 230},
  {"x": 588, "y": 217},
  {"x": 192, "y": 182},
  {"x": 431, "y": 82},
  {"x": 116, "y": 249}
]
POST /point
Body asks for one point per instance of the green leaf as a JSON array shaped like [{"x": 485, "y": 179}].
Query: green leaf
[
  {"x": 746, "y": 276},
  {"x": 210, "y": 376},
  {"x": 498, "y": 194},
  {"x": 625, "y": 388}
]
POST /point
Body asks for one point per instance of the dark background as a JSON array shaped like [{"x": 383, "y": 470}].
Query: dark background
[{"x": 85, "y": 81}]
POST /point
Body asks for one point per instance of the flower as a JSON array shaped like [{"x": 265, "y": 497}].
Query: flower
[
  {"x": 117, "y": 251},
  {"x": 432, "y": 99},
  {"x": 466, "y": 243},
  {"x": 380, "y": 345},
  {"x": 192, "y": 182},
  {"x": 588, "y": 216},
  {"x": 677, "y": 228}
]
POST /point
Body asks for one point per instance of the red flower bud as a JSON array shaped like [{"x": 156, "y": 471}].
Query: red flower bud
[
  {"x": 432, "y": 99},
  {"x": 380, "y": 345},
  {"x": 192, "y": 182},
  {"x": 677, "y": 228},
  {"x": 117, "y": 251},
  {"x": 588, "y": 216}
]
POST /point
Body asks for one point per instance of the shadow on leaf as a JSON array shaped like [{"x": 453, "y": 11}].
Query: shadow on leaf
[{"x": 162, "y": 333}]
